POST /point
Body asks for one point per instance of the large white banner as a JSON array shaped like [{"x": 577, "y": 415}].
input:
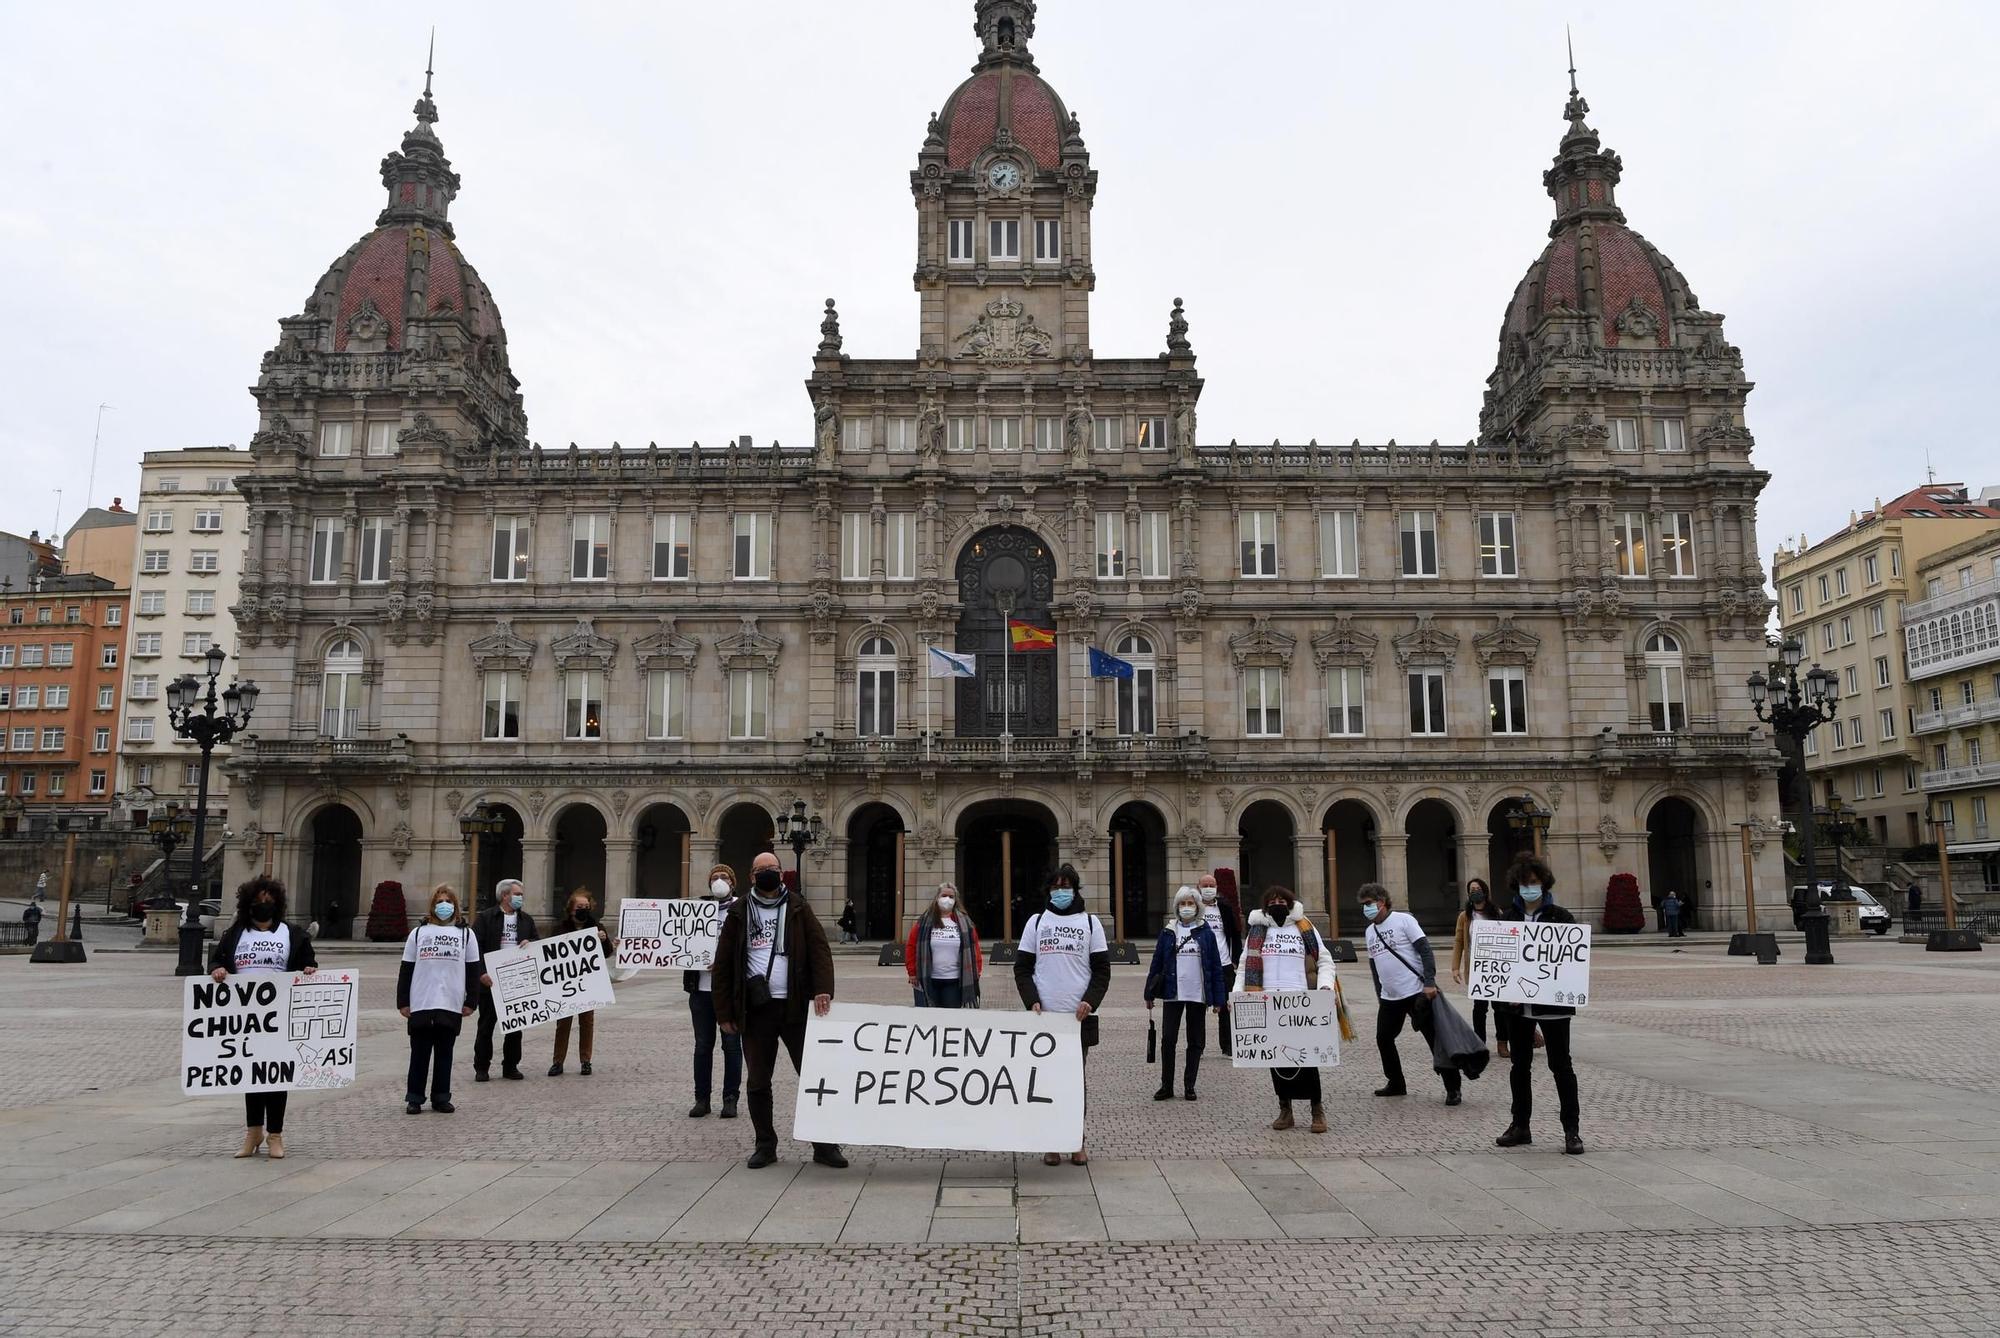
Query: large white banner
[
  {"x": 668, "y": 935},
  {"x": 942, "y": 1078},
  {"x": 268, "y": 1031},
  {"x": 1543, "y": 962},
  {"x": 1284, "y": 1029},
  {"x": 549, "y": 978}
]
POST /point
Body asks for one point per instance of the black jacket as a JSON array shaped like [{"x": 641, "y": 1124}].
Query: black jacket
[
  {"x": 1555, "y": 915},
  {"x": 487, "y": 927},
  {"x": 809, "y": 971},
  {"x": 224, "y": 952},
  {"x": 1100, "y": 971}
]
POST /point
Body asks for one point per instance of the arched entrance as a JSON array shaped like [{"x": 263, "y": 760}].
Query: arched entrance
[
  {"x": 874, "y": 872},
  {"x": 499, "y": 853},
  {"x": 1266, "y": 851},
  {"x": 1138, "y": 861},
  {"x": 336, "y": 870},
  {"x": 1014, "y": 835},
  {"x": 1504, "y": 841},
  {"x": 1005, "y": 568},
  {"x": 1431, "y": 862},
  {"x": 1351, "y": 835},
  {"x": 660, "y": 853},
  {"x": 744, "y": 833},
  {"x": 579, "y": 853},
  {"x": 1673, "y": 857}
]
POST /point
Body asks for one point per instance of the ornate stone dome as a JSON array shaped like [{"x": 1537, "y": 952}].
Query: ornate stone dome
[{"x": 1005, "y": 102}]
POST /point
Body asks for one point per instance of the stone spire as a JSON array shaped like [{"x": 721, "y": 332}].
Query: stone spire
[
  {"x": 1004, "y": 27},
  {"x": 419, "y": 178},
  {"x": 1584, "y": 177}
]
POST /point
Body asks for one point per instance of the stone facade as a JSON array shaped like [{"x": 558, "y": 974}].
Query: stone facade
[{"x": 1348, "y": 659}]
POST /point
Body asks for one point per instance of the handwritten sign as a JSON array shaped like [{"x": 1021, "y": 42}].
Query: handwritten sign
[
  {"x": 268, "y": 1031},
  {"x": 550, "y": 978},
  {"x": 1284, "y": 1029},
  {"x": 1524, "y": 962},
  {"x": 668, "y": 935},
  {"x": 936, "y": 1078}
]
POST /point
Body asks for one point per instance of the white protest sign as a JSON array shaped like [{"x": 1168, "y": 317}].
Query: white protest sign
[
  {"x": 668, "y": 935},
  {"x": 1530, "y": 962},
  {"x": 549, "y": 978},
  {"x": 268, "y": 1031},
  {"x": 1284, "y": 1029},
  {"x": 942, "y": 1078}
]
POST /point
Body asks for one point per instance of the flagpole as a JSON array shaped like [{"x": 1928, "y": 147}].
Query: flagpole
[
  {"x": 1007, "y": 693},
  {"x": 930, "y": 672}
]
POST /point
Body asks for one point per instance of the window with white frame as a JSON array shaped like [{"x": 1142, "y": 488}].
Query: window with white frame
[
  {"x": 1108, "y": 434},
  {"x": 1507, "y": 699},
  {"x": 1936, "y": 698},
  {"x": 113, "y": 616},
  {"x": 1666, "y": 682},
  {"x": 854, "y": 546},
  {"x": 381, "y": 439},
  {"x": 336, "y": 439},
  {"x": 205, "y": 560},
  {"x": 24, "y": 738},
  {"x": 52, "y": 738},
  {"x": 27, "y": 782},
  {"x": 1048, "y": 434},
  {"x": 1111, "y": 545},
  {"x": 152, "y": 601},
  {"x": 510, "y": 548},
  {"x": 1048, "y": 240},
  {"x": 107, "y": 657},
  {"x": 1965, "y": 693},
  {"x": 146, "y": 643},
  {"x": 1152, "y": 434},
  {"x": 1798, "y": 593},
  {"x": 959, "y": 234},
  {"x": 58, "y": 696},
  {"x": 340, "y": 690},
  {"x": 97, "y": 782},
  {"x": 1826, "y": 636},
  {"x": 902, "y": 433},
  {"x": 502, "y": 719},
  {"x": 1847, "y": 630},
  {"x": 6, "y": 657},
  {"x": 1677, "y": 544},
  {"x": 1672, "y": 433},
  {"x": 1419, "y": 543},
  {"x": 899, "y": 539},
  {"x": 31, "y": 657},
  {"x": 1345, "y": 717},
  {"x": 583, "y": 704},
  {"x": 1853, "y": 679},
  {"x": 378, "y": 548},
  {"x": 168, "y": 485},
  {"x": 1004, "y": 434},
  {"x": 857, "y": 434},
  {"x": 28, "y": 697},
  {"x": 962, "y": 433},
  {"x": 1496, "y": 544},
  {"x": 6, "y": 700},
  {"x": 1974, "y": 751},
  {"x": 1263, "y": 702},
  {"x": 159, "y": 521},
  {"x": 100, "y": 739},
  {"x": 1840, "y": 580},
  {"x": 1624, "y": 434},
  {"x": 1840, "y": 733},
  {"x": 875, "y": 689},
  {"x": 107, "y": 697},
  {"x": 1881, "y": 671},
  {"x": 1886, "y": 722},
  {"x": 672, "y": 545},
  {"x": 1338, "y": 544},
  {"x": 208, "y": 520},
  {"x": 1895, "y": 562},
  {"x": 666, "y": 704},
  {"x": 1871, "y": 570},
  {"x": 1628, "y": 537},
  {"x": 1003, "y": 239},
  {"x": 329, "y": 547},
  {"x": 58, "y": 784},
  {"x": 62, "y": 655},
  {"x": 156, "y": 560},
  {"x": 1257, "y": 543},
  {"x": 1426, "y": 691},
  {"x": 196, "y": 643},
  {"x": 749, "y": 703},
  {"x": 1156, "y": 558},
  {"x": 752, "y": 561},
  {"x": 1825, "y": 588},
  {"x": 590, "y": 547}
]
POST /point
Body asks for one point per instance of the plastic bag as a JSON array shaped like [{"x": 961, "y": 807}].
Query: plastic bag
[{"x": 1457, "y": 1045}]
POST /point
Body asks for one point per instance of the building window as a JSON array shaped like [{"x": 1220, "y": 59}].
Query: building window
[
  {"x": 336, "y": 439},
  {"x": 959, "y": 230},
  {"x": 1110, "y": 545},
  {"x": 1004, "y": 434},
  {"x": 340, "y": 690},
  {"x": 24, "y": 739},
  {"x": 503, "y": 705},
  {"x": 1344, "y": 716},
  {"x": 1136, "y": 712},
  {"x": 208, "y": 520},
  {"x": 583, "y": 704},
  {"x": 1048, "y": 240},
  {"x": 1426, "y": 687},
  {"x": 381, "y": 439},
  {"x": 329, "y": 545},
  {"x": 671, "y": 546},
  {"x": 1965, "y": 692},
  {"x": 106, "y": 697},
  {"x": 1871, "y": 570},
  {"x": 1629, "y": 544},
  {"x": 1881, "y": 671},
  {"x": 854, "y": 546},
  {"x": 152, "y": 602},
  {"x": 107, "y": 657},
  {"x": 753, "y": 546},
  {"x": 590, "y": 548},
  {"x": 1155, "y": 546},
  {"x": 1826, "y": 636},
  {"x": 1496, "y": 544},
  {"x": 1624, "y": 434},
  {"x": 1940, "y": 754},
  {"x": 1666, "y": 683},
  {"x": 100, "y": 739},
  {"x": 1840, "y": 580},
  {"x": 201, "y": 601},
  {"x": 1677, "y": 544},
  {"x": 666, "y": 704},
  {"x": 1825, "y": 588},
  {"x": 899, "y": 535},
  {"x": 1048, "y": 435},
  {"x": 52, "y": 738},
  {"x": 58, "y": 784},
  {"x": 875, "y": 690},
  {"x": 902, "y": 434},
  {"x": 1877, "y": 624},
  {"x": 749, "y": 703},
  {"x": 196, "y": 644},
  {"x": 1887, "y": 722},
  {"x": 1420, "y": 543},
  {"x": 114, "y": 616},
  {"x": 145, "y": 644},
  {"x": 155, "y": 561},
  {"x": 1257, "y": 543},
  {"x": 62, "y": 655},
  {"x": 378, "y": 546},
  {"x": 1895, "y": 562},
  {"x": 1974, "y": 754},
  {"x": 1338, "y": 534},
  {"x": 31, "y": 657},
  {"x": 1936, "y": 696},
  {"x": 510, "y": 548},
  {"x": 1847, "y": 630},
  {"x": 205, "y": 561},
  {"x": 27, "y": 698},
  {"x": 1152, "y": 434},
  {"x": 1673, "y": 434},
  {"x": 1263, "y": 703},
  {"x": 1108, "y": 434},
  {"x": 27, "y": 782},
  {"x": 159, "y": 522},
  {"x": 1003, "y": 239},
  {"x": 963, "y": 435},
  {"x": 58, "y": 696},
  {"x": 1798, "y": 594},
  {"x": 854, "y": 435},
  {"x": 1853, "y": 677},
  {"x": 97, "y": 782}
]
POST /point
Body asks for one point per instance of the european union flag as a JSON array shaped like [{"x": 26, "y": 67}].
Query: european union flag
[{"x": 1108, "y": 666}]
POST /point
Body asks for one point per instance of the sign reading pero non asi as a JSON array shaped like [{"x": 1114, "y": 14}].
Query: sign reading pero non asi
[
  {"x": 1284, "y": 1029},
  {"x": 668, "y": 935},
  {"x": 942, "y": 1078},
  {"x": 1530, "y": 962},
  {"x": 268, "y": 1031},
  {"x": 550, "y": 978}
]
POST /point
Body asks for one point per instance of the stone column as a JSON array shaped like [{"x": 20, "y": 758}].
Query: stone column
[
  {"x": 618, "y": 857},
  {"x": 537, "y": 871}
]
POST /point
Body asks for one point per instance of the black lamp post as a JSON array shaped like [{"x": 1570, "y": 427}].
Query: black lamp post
[
  {"x": 191, "y": 707},
  {"x": 1838, "y": 828},
  {"x": 170, "y": 831},
  {"x": 1530, "y": 817},
  {"x": 798, "y": 831},
  {"x": 1794, "y": 707},
  {"x": 475, "y": 827}
]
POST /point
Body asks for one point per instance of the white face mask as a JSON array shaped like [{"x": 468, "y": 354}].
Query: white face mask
[
  {"x": 946, "y": 903},
  {"x": 719, "y": 888},
  {"x": 1208, "y": 896},
  {"x": 1188, "y": 912}
]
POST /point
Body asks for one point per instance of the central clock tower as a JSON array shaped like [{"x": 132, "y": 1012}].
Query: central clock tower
[{"x": 1003, "y": 190}]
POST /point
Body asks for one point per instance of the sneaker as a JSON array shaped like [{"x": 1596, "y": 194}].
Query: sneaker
[
  {"x": 481, "y": 1075},
  {"x": 728, "y": 1107},
  {"x": 1393, "y": 1089},
  {"x": 1514, "y": 1137},
  {"x": 444, "y": 1108},
  {"x": 1572, "y": 1144},
  {"x": 1165, "y": 1093},
  {"x": 699, "y": 1110},
  {"x": 761, "y": 1158}
]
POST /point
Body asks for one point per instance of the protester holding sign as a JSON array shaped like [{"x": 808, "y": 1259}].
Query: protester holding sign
[
  {"x": 700, "y": 987},
  {"x": 1282, "y": 952},
  {"x": 1063, "y": 965},
  {"x": 1478, "y": 906},
  {"x": 581, "y": 914},
  {"x": 502, "y": 925},
  {"x": 1186, "y": 974},
  {"x": 942, "y": 954},
  {"x": 439, "y": 977},
  {"x": 1224, "y": 919},
  {"x": 771, "y": 958},
  {"x": 1405, "y": 971},
  {"x": 1531, "y": 881},
  {"x": 260, "y": 940}
]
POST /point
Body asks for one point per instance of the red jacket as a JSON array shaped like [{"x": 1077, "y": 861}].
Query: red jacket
[{"x": 918, "y": 964}]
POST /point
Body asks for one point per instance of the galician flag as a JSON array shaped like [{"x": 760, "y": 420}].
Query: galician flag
[
  {"x": 948, "y": 664},
  {"x": 1103, "y": 665},
  {"x": 1027, "y": 636}
]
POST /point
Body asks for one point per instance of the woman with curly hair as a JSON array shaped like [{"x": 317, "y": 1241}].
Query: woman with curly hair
[
  {"x": 1530, "y": 881},
  {"x": 260, "y": 940}
]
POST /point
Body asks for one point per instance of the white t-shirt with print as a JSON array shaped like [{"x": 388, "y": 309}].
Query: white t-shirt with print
[
  {"x": 945, "y": 949},
  {"x": 1212, "y": 916},
  {"x": 263, "y": 949},
  {"x": 1285, "y": 957},
  {"x": 1398, "y": 930},
  {"x": 440, "y": 953},
  {"x": 1189, "y": 987},
  {"x": 763, "y": 925},
  {"x": 510, "y": 930},
  {"x": 1062, "y": 945}
]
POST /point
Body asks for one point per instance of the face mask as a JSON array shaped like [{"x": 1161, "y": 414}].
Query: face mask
[
  {"x": 1369, "y": 910},
  {"x": 1531, "y": 891},
  {"x": 1278, "y": 910},
  {"x": 1208, "y": 896},
  {"x": 1062, "y": 899},
  {"x": 444, "y": 910},
  {"x": 946, "y": 903},
  {"x": 768, "y": 880},
  {"x": 263, "y": 911},
  {"x": 719, "y": 889},
  {"x": 514, "y": 901},
  {"x": 582, "y": 915},
  {"x": 1188, "y": 913}
]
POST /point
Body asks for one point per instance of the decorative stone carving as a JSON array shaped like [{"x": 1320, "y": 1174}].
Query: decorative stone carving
[
  {"x": 250, "y": 839},
  {"x": 619, "y": 799},
  {"x": 537, "y": 801},
  {"x": 1177, "y": 329},
  {"x": 452, "y": 800},
  {"x": 829, "y": 330},
  {"x": 1344, "y": 646},
  {"x": 826, "y": 429},
  {"x": 1506, "y": 644},
  {"x": 1005, "y": 335},
  {"x": 1392, "y": 797},
  {"x": 503, "y": 649},
  {"x": 583, "y": 648},
  {"x": 424, "y": 433},
  {"x": 1426, "y": 643},
  {"x": 1607, "y": 837},
  {"x": 666, "y": 648},
  {"x": 1263, "y": 646},
  {"x": 749, "y": 648},
  {"x": 703, "y": 801},
  {"x": 1637, "y": 322},
  {"x": 1226, "y": 797},
  {"x": 401, "y": 837}
]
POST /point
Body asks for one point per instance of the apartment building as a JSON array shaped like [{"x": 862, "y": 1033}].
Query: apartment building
[
  {"x": 1951, "y": 639},
  {"x": 60, "y": 649}
]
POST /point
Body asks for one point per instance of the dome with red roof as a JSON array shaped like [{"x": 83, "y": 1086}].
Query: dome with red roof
[{"x": 1005, "y": 102}]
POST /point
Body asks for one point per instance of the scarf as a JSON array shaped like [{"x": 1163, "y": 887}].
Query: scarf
[{"x": 1253, "y": 945}]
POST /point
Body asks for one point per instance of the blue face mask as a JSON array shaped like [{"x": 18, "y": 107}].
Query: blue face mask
[
  {"x": 514, "y": 902},
  {"x": 444, "y": 910},
  {"x": 1369, "y": 910},
  {"x": 1062, "y": 899},
  {"x": 1531, "y": 891}
]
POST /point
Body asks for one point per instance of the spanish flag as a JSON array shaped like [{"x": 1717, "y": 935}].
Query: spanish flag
[{"x": 1027, "y": 636}]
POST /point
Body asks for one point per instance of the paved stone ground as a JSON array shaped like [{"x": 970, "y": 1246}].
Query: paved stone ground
[{"x": 1816, "y": 1149}]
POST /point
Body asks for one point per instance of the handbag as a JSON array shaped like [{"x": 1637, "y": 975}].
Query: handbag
[{"x": 1152, "y": 1042}]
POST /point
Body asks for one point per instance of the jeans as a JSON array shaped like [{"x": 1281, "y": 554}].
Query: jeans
[
  {"x": 1555, "y": 1041},
  {"x": 947, "y": 993},
  {"x": 1389, "y": 1025},
  {"x": 701, "y": 1008},
  {"x": 430, "y": 1052},
  {"x": 265, "y": 1110},
  {"x": 482, "y": 1043},
  {"x": 1674, "y": 925},
  {"x": 1174, "y": 1013},
  {"x": 763, "y": 1030},
  {"x": 586, "y": 1032}
]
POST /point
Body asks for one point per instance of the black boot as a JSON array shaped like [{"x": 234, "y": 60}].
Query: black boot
[
  {"x": 828, "y": 1154},
  {"x": 728, "y": 1107},
  {"x": 1515, "y": 1136},
  {"x": 766, "y": 1132}
]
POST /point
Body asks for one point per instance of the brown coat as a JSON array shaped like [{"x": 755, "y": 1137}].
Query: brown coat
[{"x": 811, "y": 961}]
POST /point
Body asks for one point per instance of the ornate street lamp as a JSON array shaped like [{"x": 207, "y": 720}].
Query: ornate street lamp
[
  {"x": 1794, "y": 707},
  {"x": 1528, "y": 816},
  {"x": 170, "y": 831},
  {"x": 481, "y": 822},
  {"x": 798, "y": 831},
  {"x": 192, "y": 707}
]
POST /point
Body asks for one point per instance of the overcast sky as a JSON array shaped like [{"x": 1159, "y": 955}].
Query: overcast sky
[{"x": 661, "y": 196}]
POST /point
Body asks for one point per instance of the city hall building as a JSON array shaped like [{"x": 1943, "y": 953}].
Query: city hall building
[{"x": 1346, "y": 662}]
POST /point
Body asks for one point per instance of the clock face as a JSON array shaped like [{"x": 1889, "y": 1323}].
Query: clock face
[{"x": 1004, "y": 175}]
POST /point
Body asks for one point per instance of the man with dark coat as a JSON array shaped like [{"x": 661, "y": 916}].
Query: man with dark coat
[{"x": 504, "y": 924}]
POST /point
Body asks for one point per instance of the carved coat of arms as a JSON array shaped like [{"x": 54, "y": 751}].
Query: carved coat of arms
[{"x": 1005, "y": 333}]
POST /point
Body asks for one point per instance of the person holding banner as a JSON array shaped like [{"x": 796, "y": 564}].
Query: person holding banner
[
  {"x": 260, "y": 940},
  {"x": 1478, "y": 906},
  {"x": 439, "y": 977},
  {"x": 771, "y": 957},
  {"x": 581, "y": 914},
  {"x": 502, "y": 925},
  {"x": 700, "y": 987},
  {"x": 1282, "y": 951},
  {"x": 1531, "y": 881},
  {"x": 1405, "y": 971},
  {"x": 1186, "y": 974},
  {"x": 942, "y": 954},
  {"x": 1063, "y": 965}
]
